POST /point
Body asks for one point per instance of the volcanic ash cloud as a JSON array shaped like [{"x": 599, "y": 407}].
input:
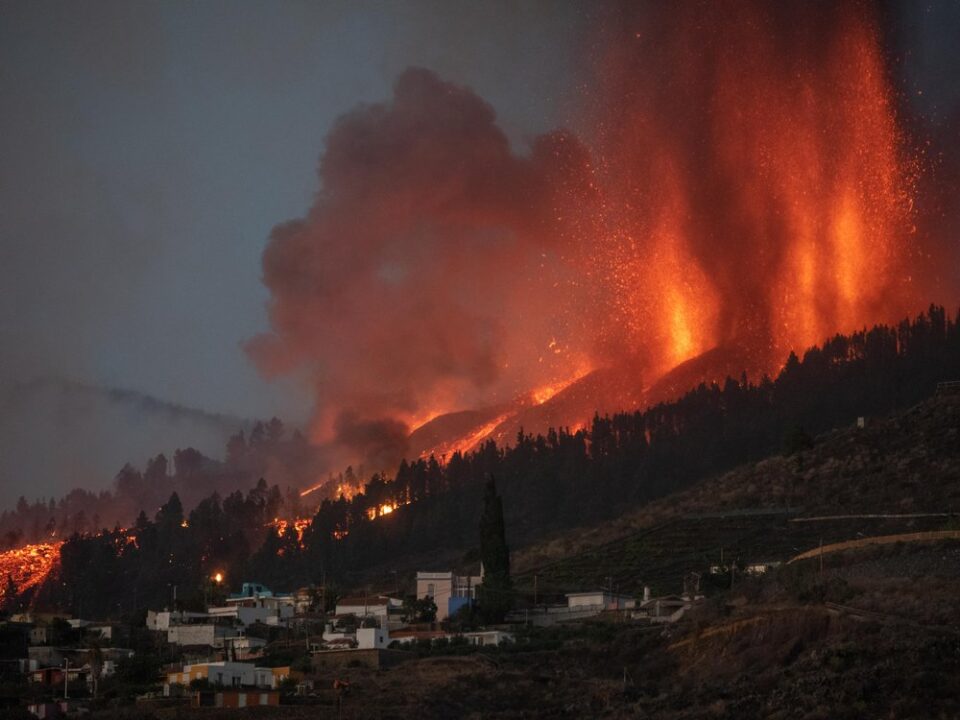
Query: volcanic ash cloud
[{"x": 428, "y": 273}]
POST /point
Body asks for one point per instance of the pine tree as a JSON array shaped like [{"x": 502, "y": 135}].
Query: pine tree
[{"x": 496, "y": 592}]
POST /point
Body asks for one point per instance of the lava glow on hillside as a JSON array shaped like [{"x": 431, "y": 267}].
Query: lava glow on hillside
[
  {"x": 738, "y": 187},
  {"x": 28, "y": 566},
  {"x": 299, "y": 526}
]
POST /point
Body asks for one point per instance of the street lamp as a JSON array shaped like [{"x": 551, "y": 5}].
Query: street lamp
[{"x": 215, "y": 579}]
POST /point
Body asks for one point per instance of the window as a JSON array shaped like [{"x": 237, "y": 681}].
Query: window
[{"x": 431, "y": 590}]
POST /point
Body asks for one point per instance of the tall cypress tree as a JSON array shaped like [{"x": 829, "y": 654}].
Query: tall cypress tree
[{"x": 496, "y": 592}]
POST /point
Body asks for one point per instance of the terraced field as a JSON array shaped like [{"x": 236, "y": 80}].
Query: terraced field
[{"x": 661, "y": 556}]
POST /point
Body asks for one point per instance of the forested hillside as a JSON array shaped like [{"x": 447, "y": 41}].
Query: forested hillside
[{"x": 548, "y": 483}]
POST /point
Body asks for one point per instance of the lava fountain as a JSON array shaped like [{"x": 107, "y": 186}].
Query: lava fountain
[
  {"x": 738, "y": 188},
  {"x": 754, "y": 185}
]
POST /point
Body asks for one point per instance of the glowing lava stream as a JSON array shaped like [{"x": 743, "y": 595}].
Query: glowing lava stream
[
  {"x": 469, "y": 441},
  {"x": 543, "y": 394},
  {"x": 28, "y": 566}
]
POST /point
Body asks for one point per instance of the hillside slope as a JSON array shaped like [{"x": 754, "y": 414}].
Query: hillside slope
[{"x": 907, "y": 464}]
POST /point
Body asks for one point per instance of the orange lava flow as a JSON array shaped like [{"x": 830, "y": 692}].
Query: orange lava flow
[
  {"x": 543, "y": 393},
  {"x": 342, "y": 489},
  {"x": 312, "y": 488},
  {"x": 28, "y": 566},
  {"x": 469, "y": 441}
]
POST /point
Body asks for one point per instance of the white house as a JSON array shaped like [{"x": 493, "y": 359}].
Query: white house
[
  {"x": 369, "y": 638},
  {"x": 162, "y": 620},
  {"x": 248, "y": 615},
  {"x": 284, "y": 604},
  {"x": 333, "y": 635},
  {"x": 377, "y": 606},
  {"x": 761, "y": 568},
  {"x": 270, "y": 677},
  {"x": 104, "y": 630},
  {"x": 251, "y": 590},
  {"x": 225, "y": 674},
  {"x": 488, "y": 637},
  {"x": 600, "y": 600},
  {"x": 449, "y": 592},
  {"x": 228, "y": 674},
  {"x": 209, "y": 634}
]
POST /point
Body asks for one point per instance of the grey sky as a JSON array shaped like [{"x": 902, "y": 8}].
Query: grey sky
[{"x": 147, "y": 149}]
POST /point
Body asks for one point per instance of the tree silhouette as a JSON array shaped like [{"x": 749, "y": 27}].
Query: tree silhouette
[{"x": 496, "y": 591}]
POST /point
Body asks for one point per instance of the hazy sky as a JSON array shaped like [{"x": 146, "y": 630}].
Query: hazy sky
[{"x": 148, "y": 148}]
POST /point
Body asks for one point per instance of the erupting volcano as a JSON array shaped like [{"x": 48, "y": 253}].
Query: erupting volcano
[
  {"x": 738, "y": 187},
  {"x": 759, "y": 198}
]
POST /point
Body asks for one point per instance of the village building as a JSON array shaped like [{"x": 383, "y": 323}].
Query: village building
[
  {"x": 251, "y": 590},
  {"x": 162, "y": 620},
  {"x": 212, "y": 635},
  {"x": 405, "y": 637},
  {"x": 761, "y": 567},
  {"x": 268, "y": 613},
  {"x": 377, "y": 606},
  {"x": 448, "y": 591},
  {"x": 600, "y": 600},
  {"x": 488, "y": 637},
  {"x": 56, "y": 676},
  {"x": 303, "y": 600},
  {"x": 226, "y": 674},
  {"x": 579, "y": 606},
  {"x": 369, "y": 638},
  {"x": 257, "y": 596}
]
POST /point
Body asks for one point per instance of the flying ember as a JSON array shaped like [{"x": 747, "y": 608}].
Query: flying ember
[{"x": 751, "y": 197}]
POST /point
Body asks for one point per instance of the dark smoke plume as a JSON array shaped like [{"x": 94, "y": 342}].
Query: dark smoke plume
[
  {"x": 741, "y": 187},
  {"x": 427, "y": 271}
]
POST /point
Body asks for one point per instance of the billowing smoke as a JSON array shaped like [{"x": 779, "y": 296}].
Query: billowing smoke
[
  {"x": 428, "y": 275},
  {"x": 741, "y": 184},
  {"x": 379, "y": 442}
]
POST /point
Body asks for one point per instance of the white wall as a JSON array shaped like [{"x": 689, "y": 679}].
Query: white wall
[
  {"x": 371, "y": 638},
  {"x": 359, "y": 610},
  {"x": 211, "y": 635},
  {"x": 225, "y": 673},
  {"x": 588, "y": 600}
]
